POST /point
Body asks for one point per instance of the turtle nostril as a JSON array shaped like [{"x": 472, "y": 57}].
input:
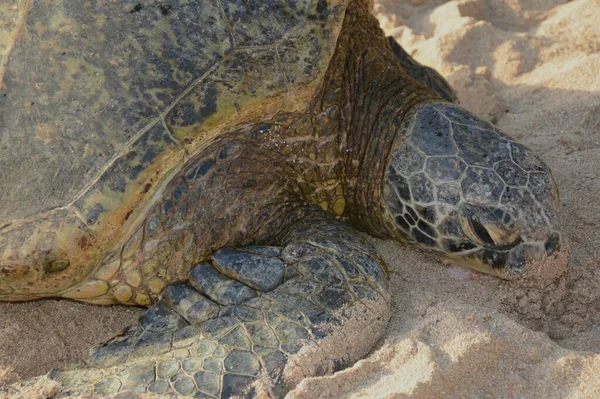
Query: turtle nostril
[{"x": 552, "y": 243}]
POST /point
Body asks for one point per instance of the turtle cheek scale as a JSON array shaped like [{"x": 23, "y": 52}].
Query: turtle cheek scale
[{"x": 458, "y": 187}]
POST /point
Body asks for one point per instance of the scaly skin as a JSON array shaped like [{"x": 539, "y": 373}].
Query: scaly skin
[
  {"x": 265, "y": 175},
  {"x": 246, "y": 342},
  {"x": 376, "y": 146},
  {"x": 103, "y": 103}
]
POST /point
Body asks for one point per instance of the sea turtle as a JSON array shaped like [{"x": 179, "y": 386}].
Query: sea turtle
[{"x": 213, "y": 160}]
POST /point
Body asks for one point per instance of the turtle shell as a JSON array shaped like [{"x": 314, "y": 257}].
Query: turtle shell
[{"x": 101, "y": 101}]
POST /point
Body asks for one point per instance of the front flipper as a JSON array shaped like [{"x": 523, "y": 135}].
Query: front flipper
[
  {"x": 424, "y": 74},
  {"x": 251, "y": 320}
]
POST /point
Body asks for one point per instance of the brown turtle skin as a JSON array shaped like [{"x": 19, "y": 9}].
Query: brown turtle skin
[
  {"x": 102, "y": 104},
  {"x": 219, "y": 208},
  {"x": 123, "y": 240},
  {"x": 117, "y": 242}
]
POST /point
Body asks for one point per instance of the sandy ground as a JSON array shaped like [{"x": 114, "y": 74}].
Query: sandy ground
[{"x": 531, "y": 67}]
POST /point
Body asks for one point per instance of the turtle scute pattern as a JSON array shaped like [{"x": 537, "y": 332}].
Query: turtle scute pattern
[
  {"x": 128, "y": 90},
  {"x": 463, "y": 160},
  {"x": 189, "y": 218},
  {"x": 241, "y": 316},
  {"x": 251, "y": 57}
]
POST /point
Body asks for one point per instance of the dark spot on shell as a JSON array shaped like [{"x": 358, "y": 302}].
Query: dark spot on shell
[
  {"x": 210, "y": 98},
  {"x": 165, "y": 8},
  {"x": 498, "y": 213},
  {"x": 205, "y": 167},
  {"x": 149, "y": 156},
  {"x": 322, "y": 11},
  {"x": 135, "y": 171},
  {"x": 332, "y": 112},
  {"x": 94, "y": 213},
  {"x": 321, "y": 6},
  {"x": 128, "y": 214},
  {"x": 84, "y": 243},
  {"x": 138, "y": 7},
  {"x": 147, "y": 187}
]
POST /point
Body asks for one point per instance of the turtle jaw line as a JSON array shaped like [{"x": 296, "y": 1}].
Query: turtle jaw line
[
  {"x": 470, "y": 259},
  {"x": 477, "y": 266},
  {"x": 512, "y": 267}
]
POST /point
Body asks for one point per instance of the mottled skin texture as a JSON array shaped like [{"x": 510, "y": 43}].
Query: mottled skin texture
[
  {"x": 125, "y": 97},
  {"x": 236, "y": 339},
  {"x": 471, "y": 193},
  {"x": 198, "y": 166}
]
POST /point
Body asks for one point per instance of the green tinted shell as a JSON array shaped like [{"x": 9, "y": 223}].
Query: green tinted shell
[{"x": 102, "y": 100}]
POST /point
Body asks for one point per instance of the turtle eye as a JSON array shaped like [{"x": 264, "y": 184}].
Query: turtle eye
[
  {"x": 54, "y": 266},
  {"x": 490, "y": 227},
  {"x": 480, "y": 231}
]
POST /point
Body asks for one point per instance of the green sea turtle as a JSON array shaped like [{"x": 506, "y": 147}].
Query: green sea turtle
[{"x": 214, "y": 160}]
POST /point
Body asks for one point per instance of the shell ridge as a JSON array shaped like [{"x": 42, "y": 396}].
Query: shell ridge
[{"x": 11, "y": 46}]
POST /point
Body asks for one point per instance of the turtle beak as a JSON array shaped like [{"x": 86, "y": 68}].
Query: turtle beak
[{"x": 519, "y": 261}]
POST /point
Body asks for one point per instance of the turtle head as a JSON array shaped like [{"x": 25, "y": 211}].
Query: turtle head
[
  {"x": 457, "y": 186},
  {"x": 43, "y": 257}
]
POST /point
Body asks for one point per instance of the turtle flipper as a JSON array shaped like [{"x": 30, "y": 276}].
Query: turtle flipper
[
  {"x": 424, "y": 74},
  {"x": 250, "y": 320}
]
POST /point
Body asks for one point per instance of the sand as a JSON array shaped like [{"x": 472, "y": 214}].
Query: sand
[{"x": 531, "y": 67}]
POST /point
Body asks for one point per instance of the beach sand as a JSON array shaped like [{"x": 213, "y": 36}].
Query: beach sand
[{"x": 533, "y": 69}]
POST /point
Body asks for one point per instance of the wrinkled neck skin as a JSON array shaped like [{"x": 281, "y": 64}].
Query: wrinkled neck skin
[
  {"x": 250, "y": 184},
  {"x": 416, "y": 168},
  {"x": 373, "y": 98}
]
